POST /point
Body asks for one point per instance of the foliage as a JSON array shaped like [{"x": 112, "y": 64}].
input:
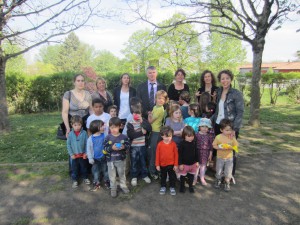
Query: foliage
[
  {"x": 40, "y": 68},
  {"x": 293, "y": 91},
  {"x": 16, "y": 64},
  {"x": 105, "y": 62}
]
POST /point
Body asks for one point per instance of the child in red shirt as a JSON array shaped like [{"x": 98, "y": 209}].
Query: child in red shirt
[{"x": 167, "y": 159}]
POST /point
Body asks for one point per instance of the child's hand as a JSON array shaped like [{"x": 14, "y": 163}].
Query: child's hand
[
  {"x": 158, "y": 168},
  {"x": 73, "y": 157},
  {"x": 122, "y": 147},
  {"x": 91, "y": 161},
  {"x": 197, "y": 164},
  {"x": 144, "y": 131},
  {"x": 114, "y": 147},
  {"x": 175, "y": 168},
  {"x": 181, "y": 167}
]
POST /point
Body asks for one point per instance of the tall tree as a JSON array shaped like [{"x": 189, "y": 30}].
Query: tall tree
[
  {"x": 245, "y": 20},
  {"x": 105, "y": 62}
]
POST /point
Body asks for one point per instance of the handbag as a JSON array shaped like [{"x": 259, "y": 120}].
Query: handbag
[{"x": 61, "y": 129}]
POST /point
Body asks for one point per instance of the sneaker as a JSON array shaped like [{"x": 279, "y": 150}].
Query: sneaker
[
  {"x": 172, "y": 191},
  {"x": 107, "y": 184},
  {"x": 113, "y": 193},
  {"x": 227, "y": 187},
  {"x": 86, "y": 181},
  {"x": 233, "y": 180},
  {"x": 154, "y": 176},
  {"x": 217, "y": 183},
  {"x": 162, "y": 190},
  {"x": 75, "y": 184},
  {"x": 95, "y": 187},
  {"x": 125, "y": 190},
  {"x": 203, "y": 182},
  {"x": 133, "y": 182},
  {"x": 147, "y": 180}
]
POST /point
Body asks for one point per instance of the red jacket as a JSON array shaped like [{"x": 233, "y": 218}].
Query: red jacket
[{"x": 166, "y": 154}]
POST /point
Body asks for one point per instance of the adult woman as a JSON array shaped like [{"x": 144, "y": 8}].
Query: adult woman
[
  {"x": 207, "y": 84},
  {"x": 178, "y": 86},
  {"x": 102, "y": 93},
  {"x": 230, "y": 105},
  {"x": 76, "y": 102},
  {"x": 122, "y": 95}
]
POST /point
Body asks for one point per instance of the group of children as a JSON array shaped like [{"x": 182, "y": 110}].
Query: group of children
[{"x": 175, "y": 143}]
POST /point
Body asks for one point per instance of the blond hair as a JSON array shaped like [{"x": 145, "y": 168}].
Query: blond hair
[{"x": 163, "y": 94}]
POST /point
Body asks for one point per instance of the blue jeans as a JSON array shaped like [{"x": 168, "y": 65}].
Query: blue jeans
[
  {"x": 77, "y": 164},
  {"x": 138, "y": 161},
  {"x": 99, "y": 166},
  {"x": 152, "y": 152}
]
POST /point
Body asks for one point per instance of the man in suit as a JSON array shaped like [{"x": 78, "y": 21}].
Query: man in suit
[{"x": 147, "y": 90}]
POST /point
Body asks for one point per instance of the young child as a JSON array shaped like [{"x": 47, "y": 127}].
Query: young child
[
  {"x": 184, "y": 99},
  {"x": 95, "y": 154},
  {"x": 209, "y": 110},
  {"x": 167, "y": 159},
  {"x": 194, "y": 118},
  {"x": 204, "y": 148},
  {"x": 155, "y": 118},
  {"x": 137, "y": 130},
  {"x": 115, "y": 147},
  {"x": 225, "y": 143},
  {"x": 99, "y": 114},
  {"x": 76, "y": 145},
  {"x": 176, "y": 123},
  {"x": 113, "y": 111},
  {"x": 188, "y": 159},
  {"x": 134, "y": 102}
]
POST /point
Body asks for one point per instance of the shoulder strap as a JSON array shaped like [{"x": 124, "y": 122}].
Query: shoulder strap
[{"x": 70, "y": 96}]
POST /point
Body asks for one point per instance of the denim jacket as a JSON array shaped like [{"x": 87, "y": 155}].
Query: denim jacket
[{"x": 233, "y": 107}]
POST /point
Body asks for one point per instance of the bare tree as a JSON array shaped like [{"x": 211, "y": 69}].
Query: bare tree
[
  {"x": 246, "y": 20},
  {"x": 30, "y": 23}
]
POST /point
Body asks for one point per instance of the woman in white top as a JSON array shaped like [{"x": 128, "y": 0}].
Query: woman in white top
[{"x": 122, "y": 95}]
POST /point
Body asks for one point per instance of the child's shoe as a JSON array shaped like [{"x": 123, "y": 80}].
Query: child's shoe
[
  {"x": 172, "y": 191},
  {"x": 133, "y": 182},
  {"x": 147, "y": 180},
  {"x": 107, "y": 184},
  {"x": 162, "y": 190},
  {"x": 125, "y": 190},
  {"x": 191, "y": 189},
  {"x": 86, "y": 181},
  {"x": 217, "y": 183},
  {"x": 95, "y": 187},
  {"x": 113, "y": 193},
  {"x": 154, "y": 176},
  {"x": 203, "y": 182},
  {"x": 75, "y": 184},
  {"x": 227, "y": 187}
]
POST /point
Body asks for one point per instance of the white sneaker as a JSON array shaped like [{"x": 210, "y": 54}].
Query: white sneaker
[
  {"x": 147, "y": 180},
  {"x": 133, "y": 182}
]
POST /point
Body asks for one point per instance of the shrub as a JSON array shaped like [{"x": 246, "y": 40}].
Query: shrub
[{"x": 294, "y": 92}]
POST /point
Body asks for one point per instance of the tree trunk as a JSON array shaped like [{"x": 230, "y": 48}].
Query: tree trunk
[
  {"x": 255, "y": 83},
  {"x": 4, "y": 123}
]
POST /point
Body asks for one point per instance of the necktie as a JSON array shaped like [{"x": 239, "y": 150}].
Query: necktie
[{"x": 151, "y": 97}]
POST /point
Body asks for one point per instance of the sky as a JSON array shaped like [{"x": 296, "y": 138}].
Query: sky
[{"x": 281, "y": 45}]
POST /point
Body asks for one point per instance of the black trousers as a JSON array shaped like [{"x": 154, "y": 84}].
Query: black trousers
[{"x": 167, "y": 170}]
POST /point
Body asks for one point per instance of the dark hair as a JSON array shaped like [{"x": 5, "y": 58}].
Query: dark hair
[
  {"x": 123, "y": 76},
  {"x": 180, "y": 70},
  {"x": 211, "y": 106},
  {"x": 185, "y": 96},
  {"x": 76, "y": 119},
  {"x": 136, "y": 109},
  {"x": 77, "y": 75},
  {"x": 115, "y": 121},
  {"x": 213, "y": 79},
  {"x": 166, "y": 131},
  {"x": 195, "y": 108},
  {"x": 95, "y": 126},
  {"x": 203, "y": 101},
  {"x": 97, "y": 101},
  {"x": 135, "y": 102},
  {"x": 112, "y": 107},
  {"x": 188, "y": 131},
  {"x": 151, "y": 68},
  {"x": 226, "y": 122},
  {"x": 228, "y": 72}
]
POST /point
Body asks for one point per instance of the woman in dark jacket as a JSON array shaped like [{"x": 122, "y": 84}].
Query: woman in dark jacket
[
  {"x": 207, "y": 84},
  {"x": 176, "y": 88}
]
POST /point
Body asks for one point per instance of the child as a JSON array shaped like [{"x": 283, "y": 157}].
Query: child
[
  {"x": 194, "y": 119},
  {"x": 115, "y": 147},
  {"x": 176, "y": 123},
  {"x": 113, "y": 111},
  {"x": 137, "y": 129},
  {"x": 99, "y": 114},
  {"x": 188, "y": 159},
  {"x": 167, "y": 159},
  {"x": 184, "y": 99},
  {"x": 204, "y": 148},
  {"x": 95, "y": 153},
  {"x": 209, "y": 110},
  {"x": 225, "y": 143},
  {"x": 134, "y": 102},
  {"x": 155, "y": 118},
  {"x": 76, "y": 145}
]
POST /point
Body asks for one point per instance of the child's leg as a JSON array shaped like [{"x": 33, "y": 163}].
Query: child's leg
[
  {"x": 112, "y": 175},
  {"x": 75, "y": 168},
  {"x": 120, "y": 165},
  {"x": 182, "y": 184},
  {"x": 163, "y": 180},
  {"x": 96, "y": 171},
  {"x": 103, "y": 169},
  {"x": 172, "y": 176},
  {"x": 202, "y": 174},
  {"x": 196, "y": 176},
  {"x": 83, "y": 167},
  {"x": 127, "y": 163},
  {"x": 219, "y": 168},
  {"x": 142, "y": 161},
  {"x": 190, "y": 182},
  {"x": 228, "y": 169},
  {"x": 134, "y": 161},
  {"x": 152, "y": 152}
]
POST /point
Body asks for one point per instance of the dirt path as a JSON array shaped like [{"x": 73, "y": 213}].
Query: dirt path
[{"x": 267, "y": 192}]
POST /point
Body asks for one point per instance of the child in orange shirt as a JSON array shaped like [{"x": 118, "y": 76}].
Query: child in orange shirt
[{"x": 167, "y": 159}]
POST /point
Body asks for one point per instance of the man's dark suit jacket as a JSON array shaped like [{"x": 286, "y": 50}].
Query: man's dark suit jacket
[
  {"x": 117, "y": 92},
  {"x": 142, "y": 93}
]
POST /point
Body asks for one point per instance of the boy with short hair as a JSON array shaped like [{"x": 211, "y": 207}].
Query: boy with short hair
[
  {"x": 76, "y": 145},
  {"x": 95, "y": 154},
  {"x": 115, "y": 147},
  {"x": 113, "y": 111},
  {"x": 99, "y": 114},
  {"x": 137, "y": 129},
  {"x": 167, "y": 159}
]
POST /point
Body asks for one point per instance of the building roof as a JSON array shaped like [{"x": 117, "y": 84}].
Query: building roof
[{"x": 278, "y": 66}]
